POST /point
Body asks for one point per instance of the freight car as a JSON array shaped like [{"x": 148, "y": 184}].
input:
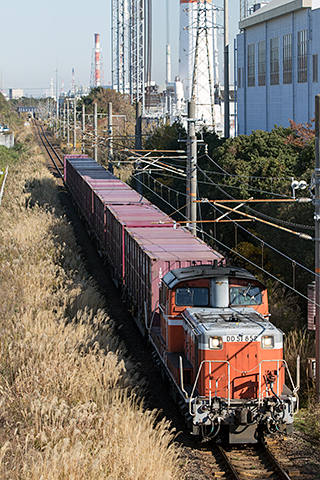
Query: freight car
[{"x": 208, "y": 323}]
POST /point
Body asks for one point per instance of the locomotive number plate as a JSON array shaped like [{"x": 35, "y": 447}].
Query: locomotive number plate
[{"x": 239, "y": 338}]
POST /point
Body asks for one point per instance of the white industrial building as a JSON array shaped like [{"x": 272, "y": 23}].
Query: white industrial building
[
  {"x": 277, "y": 65},
  {"x": 15, "y": 93}
]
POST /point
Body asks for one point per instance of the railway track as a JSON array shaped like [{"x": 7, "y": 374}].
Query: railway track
[
  {"x": 243, "y": 462},
  {"x": 50, "y": 149},
  {"x": 252, "y": 462}
]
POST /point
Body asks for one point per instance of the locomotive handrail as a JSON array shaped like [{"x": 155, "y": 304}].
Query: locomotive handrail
[
  {"x": 197, "y": 378},
  {"x": 181, "y": 376},
  {"x": 294, "y": 388}
]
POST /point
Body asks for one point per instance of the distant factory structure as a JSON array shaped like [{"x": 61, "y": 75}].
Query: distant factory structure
[
  {"x": 15, "y": 93},
  {"x": 198, "y": 77},
  {"x": 278, "y": 53},
  {"x": 96, "y": 64}
]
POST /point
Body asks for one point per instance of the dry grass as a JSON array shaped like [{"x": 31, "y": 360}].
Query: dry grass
[
  {"x": 68, "y": 408},
  {"x": 302, "y": 343}
]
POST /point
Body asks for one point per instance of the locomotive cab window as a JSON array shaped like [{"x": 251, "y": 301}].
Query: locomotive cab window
[
  {"x": 192, "y": 296},
  {"x": 245, "y": 295}
]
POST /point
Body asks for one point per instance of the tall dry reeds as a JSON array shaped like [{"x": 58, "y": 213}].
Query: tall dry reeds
[
  {"x": 68, "y": 402},
  {"x": 300, "y": 343}
]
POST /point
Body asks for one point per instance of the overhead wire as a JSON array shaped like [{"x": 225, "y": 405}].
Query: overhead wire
[
  {"x": 203, "y": 232},
  {"x": 254, "y": 236},
  {"x": 256, "y": 212},
  {"x": 267, "y": 244}
]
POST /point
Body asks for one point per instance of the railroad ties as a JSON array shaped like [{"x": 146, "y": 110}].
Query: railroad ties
[
  {"x": 51, "y": 150},
  {"x": 255, "y": 462}
]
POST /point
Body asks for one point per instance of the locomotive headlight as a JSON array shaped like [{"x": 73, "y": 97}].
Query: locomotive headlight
[
  {"x": 267, "y": 341},
  {"x": 215, "y": 343}
]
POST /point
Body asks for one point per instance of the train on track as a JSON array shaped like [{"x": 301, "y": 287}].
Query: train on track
[{"x": 208, "y": 322}]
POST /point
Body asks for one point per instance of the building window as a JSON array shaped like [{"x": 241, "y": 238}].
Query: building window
[
  {"x": 239, "y": 77},
  {"x": 302, "y": 56},
  {"x": 287, "y": 58},
  {"x": 262, "y": 63},
  {"x": 274, "y": 61},
  {"x": 315, "y": 68},
  {"x": 251, "y": 65}
]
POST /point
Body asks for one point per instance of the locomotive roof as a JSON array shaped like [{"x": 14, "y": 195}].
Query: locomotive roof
[
  {"x": 229, "y": 320},
  {"x": 204, "y": 271}
]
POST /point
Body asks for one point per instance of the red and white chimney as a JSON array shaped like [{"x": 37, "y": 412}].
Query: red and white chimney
[{"x": 97, "y": 60}]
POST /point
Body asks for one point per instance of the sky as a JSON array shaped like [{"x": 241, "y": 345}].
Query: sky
[{"x": 42, "y": 40}]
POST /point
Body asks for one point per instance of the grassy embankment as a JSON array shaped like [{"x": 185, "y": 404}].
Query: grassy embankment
[{"x": 67, "y": 405}]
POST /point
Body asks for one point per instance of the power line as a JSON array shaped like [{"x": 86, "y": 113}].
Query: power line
[{"x": 243, "y": 257}]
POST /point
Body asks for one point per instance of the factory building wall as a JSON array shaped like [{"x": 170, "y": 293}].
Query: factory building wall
[{"x": 261, "y": 106}]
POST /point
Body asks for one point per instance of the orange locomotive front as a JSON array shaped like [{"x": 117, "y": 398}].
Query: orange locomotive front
[{"x": 223, "y": 356}]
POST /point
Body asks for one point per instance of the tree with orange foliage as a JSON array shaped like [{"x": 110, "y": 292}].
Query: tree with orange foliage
[{"x": 303, "y": 134}]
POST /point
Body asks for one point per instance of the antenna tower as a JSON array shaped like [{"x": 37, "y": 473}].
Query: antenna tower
[
  {"x": 202, "y": 81},
  {"x": 129, "y": 27},
  {"x": 168, "y": 53},
  {"x": 137, "y": 49},
  {"x": 120, "y": 16}
]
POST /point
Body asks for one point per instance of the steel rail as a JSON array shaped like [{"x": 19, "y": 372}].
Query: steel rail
[
  {"x": 276, "y": 464},
  {"x": 51, "y": 146},
  {"x": 264, "y": 449},
  {"x": 228, "y": 463},
  {"x": 42, "y": 136}
]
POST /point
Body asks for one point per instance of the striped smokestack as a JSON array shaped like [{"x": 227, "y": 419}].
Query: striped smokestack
[{"x": 97, "y": 81}]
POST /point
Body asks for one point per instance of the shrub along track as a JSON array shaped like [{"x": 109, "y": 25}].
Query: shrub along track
[{"x": 204, "y": 461}]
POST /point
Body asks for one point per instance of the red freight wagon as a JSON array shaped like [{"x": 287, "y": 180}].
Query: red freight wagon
[
  {"x": 147, "y": 260},
  {"x": 119, "y": 217},
  {"x": 210, "y": 324}
]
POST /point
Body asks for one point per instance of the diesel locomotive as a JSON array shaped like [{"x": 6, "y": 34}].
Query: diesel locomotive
[
  {"x": 223, "y": 356},
  {"x": 208, "y": 323}
]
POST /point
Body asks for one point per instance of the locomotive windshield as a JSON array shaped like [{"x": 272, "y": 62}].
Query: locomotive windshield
[
  {"x": 245, "y": 295},
  {"x": 192, "y": 296}
]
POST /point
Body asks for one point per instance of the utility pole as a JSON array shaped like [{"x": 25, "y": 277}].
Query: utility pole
[
  {"x": 138, "y": 143},
  {"x": 192, "y": 161},
  {"x": 95, "y": 132},
  {"x": 83, "y": 126},
  {"x": 110, "y": 133},
  {"x": 68, "y": 125},
  {"x": 57, "y": 99},
  {"x": 74, "y": 123},
  {"x": 59, "y": 119},
  {"x": 317, "y": 240},
  {"x": 226, "y": 72},
  {"x": 64, "y": 120}
]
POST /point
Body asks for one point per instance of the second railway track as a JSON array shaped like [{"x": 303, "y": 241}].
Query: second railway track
[{"x": 51, "y": 150}]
